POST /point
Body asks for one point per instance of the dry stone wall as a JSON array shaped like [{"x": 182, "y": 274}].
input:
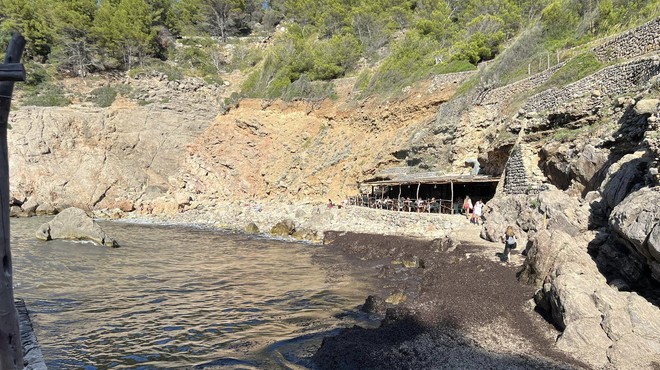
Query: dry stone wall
[
  {"x": 515, "y": 178},
  {"x": 636, "y": 42},
  {"x": 505, "y": 93},
  {"x": 402, "y": 223},
  {"x": 614, "y": 80}
]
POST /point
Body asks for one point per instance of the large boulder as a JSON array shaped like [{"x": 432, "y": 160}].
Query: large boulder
[
  {"x": 601, "y": 325},
  {"x": 647, "y": 106},
  {"x": 547, "y": 251},
  {"x": 73, "y": 223},
  {"x": 562, "y": 212},
  {"x": 252, "y": 228},
  {"x": 531, "y": 213},
  {"x": 511, "y": 210},
  {"x": 624, "y": 177},
  {"x": 570, "y": 165},
  {"x": 45, "y": 209},
  {"x": 637, "y": 221}
]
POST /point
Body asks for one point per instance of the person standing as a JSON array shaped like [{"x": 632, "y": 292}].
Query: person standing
[
  {"x": 467, "y": 206},
  {"x": 476, "y": 215},
  {"x": 510, "y": 243}
]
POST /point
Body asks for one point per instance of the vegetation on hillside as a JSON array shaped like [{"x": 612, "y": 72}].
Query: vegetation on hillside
[{"x": 388, "y": 44}]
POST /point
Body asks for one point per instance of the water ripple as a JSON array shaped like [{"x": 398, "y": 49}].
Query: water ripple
[{"x": 175, "y": 297}]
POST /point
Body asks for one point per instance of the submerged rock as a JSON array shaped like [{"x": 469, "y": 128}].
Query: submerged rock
[
  {"x": 283, "y": 228},
  {"x": 375, "y": 305},
  {"x": 252, "y": 228},
  {"x": 75, "y": 224}
]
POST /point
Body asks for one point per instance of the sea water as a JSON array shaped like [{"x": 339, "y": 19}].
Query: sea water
[{"x": 181, "y": 297}]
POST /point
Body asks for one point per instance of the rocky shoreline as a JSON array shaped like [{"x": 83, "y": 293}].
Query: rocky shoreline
[
  {"x": 579, "y": 166},
  {"x": 423, "y": 258},
  {"x": 446, "y": 299}
]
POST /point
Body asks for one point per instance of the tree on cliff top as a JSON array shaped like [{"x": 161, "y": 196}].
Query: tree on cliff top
[{"x": 86, "y": 35}]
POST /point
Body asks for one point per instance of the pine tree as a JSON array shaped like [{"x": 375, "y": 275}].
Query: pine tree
[
  {"x": 33, "y": 19},
  {"x": 74, "y": 50},
  {"x": 125, "y": 29}
]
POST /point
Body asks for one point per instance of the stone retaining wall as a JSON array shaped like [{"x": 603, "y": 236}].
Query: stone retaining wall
[
  {"x": 32, "y": 356},
  {"x": 636, "y": 42},
  {"x": 515, "y": 178},
  {"x": 614, "y": 80},
  {"x": 505, "y": 93},
  {"x": 404, "y": 223}
]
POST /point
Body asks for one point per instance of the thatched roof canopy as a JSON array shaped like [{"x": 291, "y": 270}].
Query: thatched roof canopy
[{"x": 432, "y": 180}]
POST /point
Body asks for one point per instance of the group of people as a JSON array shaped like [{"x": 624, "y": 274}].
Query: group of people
[{"x": 473, "y": 212}]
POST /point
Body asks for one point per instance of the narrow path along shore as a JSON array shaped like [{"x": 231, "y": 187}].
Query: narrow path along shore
[{"x": 468, "y": 234}]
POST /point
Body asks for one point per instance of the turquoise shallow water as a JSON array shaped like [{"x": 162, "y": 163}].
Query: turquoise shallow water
[{"x": 180, "y": 297}]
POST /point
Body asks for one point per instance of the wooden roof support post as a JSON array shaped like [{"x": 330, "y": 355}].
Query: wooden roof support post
[
  {"x": 11, "y": 350},
  {"x": 451, "y": 184}
]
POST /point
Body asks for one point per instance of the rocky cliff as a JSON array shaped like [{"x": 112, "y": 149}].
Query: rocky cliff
[
  {"x": 588, "y": 211},
  {"x": 165, "y": 156},
  {"x": 579, "y": 165}
]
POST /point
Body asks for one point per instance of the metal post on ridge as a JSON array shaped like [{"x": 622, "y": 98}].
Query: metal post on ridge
[{"x": 11, "y": 350}]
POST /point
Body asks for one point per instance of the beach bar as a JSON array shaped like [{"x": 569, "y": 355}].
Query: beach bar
[{"x": 440, "y": 194}]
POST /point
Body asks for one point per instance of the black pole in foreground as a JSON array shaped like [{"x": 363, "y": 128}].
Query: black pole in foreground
[{"x": 11, "y": 351}]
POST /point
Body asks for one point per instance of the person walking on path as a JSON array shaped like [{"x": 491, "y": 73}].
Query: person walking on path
[
  {"x": 467, "y": 206},
  {"x": 510, "y": 243},
  {"x": 476, "y": 215}
]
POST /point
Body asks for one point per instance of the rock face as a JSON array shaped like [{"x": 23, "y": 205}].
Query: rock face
[
  {"x": 174, "y": 156},
  {"x": 570, "y": 165},
  {"x": 636, "y": 220},
  {"x": 600, "y": 323},
  {"x": 624, "y": 177},
  {"x": 91, "y": 158},
  {"x": 73, "y": 223}
]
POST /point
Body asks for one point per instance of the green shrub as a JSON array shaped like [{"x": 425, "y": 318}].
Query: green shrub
[
  {"x": 244, "y": 57},
  {"x": 103, "y": 96},
  {"x": 362, "y": 81},
  {"x": 124, "y": 90},
  {"x": 304, "y": 89},
  {"x": 36, "y": 74},
  {"x": 48, "y": 95},
  {"x": 574, "y": 70},
  {"x": 299, "y": 52},
  {"x": 412, "y": 58},
  {"x": 331, "y": 58},
  {"x": 486, "y": 34}
]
